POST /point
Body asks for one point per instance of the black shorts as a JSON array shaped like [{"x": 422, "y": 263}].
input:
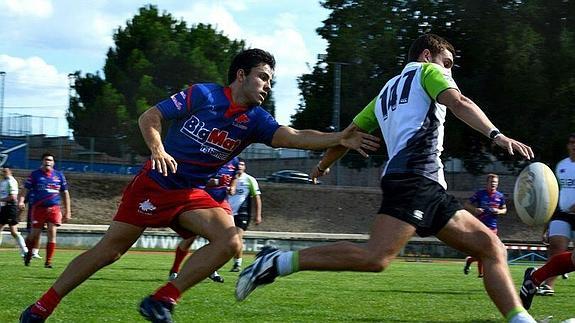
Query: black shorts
[
  {"x": 9, "y": 214},
  {"x": 242, "y": 220},
  {"x": 418, "y": 201},
  {"x": 564, "y": 216}
]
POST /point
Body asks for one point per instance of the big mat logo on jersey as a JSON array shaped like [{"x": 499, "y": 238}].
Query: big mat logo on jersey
[{"x": 195, "y": 129}]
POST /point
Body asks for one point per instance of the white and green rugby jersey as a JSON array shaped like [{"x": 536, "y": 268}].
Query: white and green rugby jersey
[
  {"x": 246, "y": 185},
  {"x": 411, "y": 120}
]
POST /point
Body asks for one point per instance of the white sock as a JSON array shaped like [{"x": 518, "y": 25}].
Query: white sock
[
  {"x": 522, "y": 317},
  {"x": 238, "y": 262},
  {"x": 21, "y": 243},
  {"x": 287, "y": 263}
]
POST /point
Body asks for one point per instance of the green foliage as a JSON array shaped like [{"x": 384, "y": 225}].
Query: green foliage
[
  {"x": 513, "y": 59},
  {"x": 406, "y": 292},
  {"x": 154, "y": 56}
]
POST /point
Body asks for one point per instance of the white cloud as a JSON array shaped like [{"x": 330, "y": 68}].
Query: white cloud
[
  {"x": 27, "y": 8},
  {"x": 31, "y": 81},
  {"x": 211, "y": 13}
]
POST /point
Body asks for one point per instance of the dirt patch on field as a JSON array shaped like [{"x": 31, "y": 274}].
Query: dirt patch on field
[{"x": 286, "y": 207}]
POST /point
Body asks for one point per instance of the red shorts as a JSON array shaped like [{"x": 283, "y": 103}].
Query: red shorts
[
  {"x": 42, "y": 215},
  {"x": 146, "y": 204}
]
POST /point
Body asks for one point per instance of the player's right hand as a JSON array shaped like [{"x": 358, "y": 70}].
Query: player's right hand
[
  {"x": 354, "y": 138},
  {"x": 512, "y": 145},
  {"x": 162, "y": 161}
]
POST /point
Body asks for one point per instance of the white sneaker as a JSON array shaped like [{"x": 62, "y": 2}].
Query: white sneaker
[
  {"x": 36, "y": 256},
  {"x": 263, "y": 271}
]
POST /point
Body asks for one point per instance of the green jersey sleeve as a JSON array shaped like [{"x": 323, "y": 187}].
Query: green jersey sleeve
[
  {"x": 435, "y": 80},
  {"x": 366, "y": 119},
  {"x": 253, "y": 186}
]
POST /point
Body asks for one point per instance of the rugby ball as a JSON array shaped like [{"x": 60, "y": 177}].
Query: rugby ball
[{"x": 536, "y": 194}]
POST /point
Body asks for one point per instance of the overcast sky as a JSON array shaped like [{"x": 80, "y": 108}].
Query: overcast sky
[{"x": 42, "y": 41}]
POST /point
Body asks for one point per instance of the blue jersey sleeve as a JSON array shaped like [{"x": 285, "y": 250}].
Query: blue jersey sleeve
[
  {"x": 474, "y": 199},
  {"x": 180, "y": 104},
  {"x": 501, "y": 200},
  {"x": 266, "y": 127},
  {"x": 64, "y": 186}
]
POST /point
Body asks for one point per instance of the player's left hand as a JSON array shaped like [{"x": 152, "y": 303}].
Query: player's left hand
[
  {"x": 258, "y": 220},
  {"x": 512, "y": 145},
  {"x": 354, "y": 138},
  {"x": 316, "y": 173}
]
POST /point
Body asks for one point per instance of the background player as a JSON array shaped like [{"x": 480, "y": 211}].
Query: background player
[
  {"x": 9, "y": 208},
  {"x": 242, "y": 207},
  {"x": 48, "y": 186},
  {"x": 487, "y": 205}
]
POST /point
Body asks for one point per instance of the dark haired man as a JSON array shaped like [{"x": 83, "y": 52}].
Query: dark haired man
[
  {"x": 48, "y": 186},
  {"x": 211, "y": 124},
  {"x": 410, "y": 110}
]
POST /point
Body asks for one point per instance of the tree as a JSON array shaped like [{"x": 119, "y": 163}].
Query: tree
[
  {"x": 153, "y": 56},
  {"x": 512, "y": 58}
]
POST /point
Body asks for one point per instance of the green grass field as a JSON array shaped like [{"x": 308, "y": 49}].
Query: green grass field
[{"x": 407, "y": 292}]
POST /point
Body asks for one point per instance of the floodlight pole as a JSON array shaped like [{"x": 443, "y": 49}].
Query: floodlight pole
[
  {"x": 3, "y": 76},
  {"x": 335, "y": 118}
]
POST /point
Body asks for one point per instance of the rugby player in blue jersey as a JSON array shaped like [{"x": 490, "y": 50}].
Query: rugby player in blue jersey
[
  {"x": 210, "y": 125},
  {"x": 487, "y": 205}
]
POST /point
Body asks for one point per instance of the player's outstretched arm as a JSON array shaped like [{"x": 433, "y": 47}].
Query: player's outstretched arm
[
  {"x": 350, "y": 138},
  {"x": 467, "y": 111},
  {"x": 150, "y": 123},
  {"x": 332, "y": 155}
]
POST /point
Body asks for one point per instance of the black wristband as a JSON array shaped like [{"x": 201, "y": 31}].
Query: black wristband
[
  {"x": 321, "y": 170},
  {"x": 494, "y": 133}
]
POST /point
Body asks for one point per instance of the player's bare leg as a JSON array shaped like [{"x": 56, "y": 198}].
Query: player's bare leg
[
  {"x": 465, "y": 233},
  {"x": 388, "y": 235},
  {"x": 117, "y": 240},
  {"x": 238, "y": 257},
  {"x": 32, "y": 241},
  {"x": 218, "y": 227},
  {"x": 213, "y": 224}
]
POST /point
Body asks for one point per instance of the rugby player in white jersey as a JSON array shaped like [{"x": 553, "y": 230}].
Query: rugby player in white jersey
[{"x": 410, "y": 110}]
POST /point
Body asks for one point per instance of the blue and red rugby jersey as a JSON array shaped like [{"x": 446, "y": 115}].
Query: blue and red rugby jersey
[
  {"x": 45, "y": 187},
  {"x": 487, "y": 202},
  {"x": 225, "y": 176},
  {"x": 207, "y": 131}
]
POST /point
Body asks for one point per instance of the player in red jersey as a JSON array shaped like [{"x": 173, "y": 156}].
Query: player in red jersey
[{"x": 210, "y": 125}]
